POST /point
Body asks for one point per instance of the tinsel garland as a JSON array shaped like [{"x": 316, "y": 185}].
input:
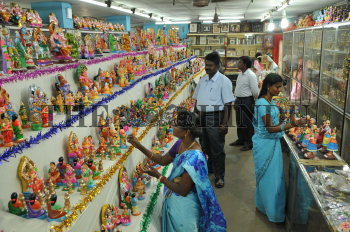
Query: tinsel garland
[
  {"x": 61, "y": 68},
  {"x": 146, "y": 218},
  {"x": 106, "y": 177},
  {"x": 55, "y": 129}
]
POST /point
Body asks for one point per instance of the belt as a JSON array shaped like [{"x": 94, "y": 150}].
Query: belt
[{"x": 244, "y": 97}]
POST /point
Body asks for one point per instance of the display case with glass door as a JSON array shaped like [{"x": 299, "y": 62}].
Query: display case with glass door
[
  {"x": 298, "y": 55},
  {"x": 309, "y": 102},
  {"x": 287, "y": 54},
  {"x": 312, "y": 59},
  {"x": 336, "y": 47}
]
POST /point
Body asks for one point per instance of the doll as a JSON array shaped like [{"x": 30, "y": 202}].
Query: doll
[
  {"x": 15, "y": 206},
  {"x": 17, "y": 129},
  {"x": 332, "y": 146},
  {"x": 87, "y": 176},
  {"x": 69, "y": 176},
  {"x": 54, "y": 174},
  {"x": 311, "y": 148},
  {"x": 35, "y": 209},
  {"x": 54, "y": 209}
]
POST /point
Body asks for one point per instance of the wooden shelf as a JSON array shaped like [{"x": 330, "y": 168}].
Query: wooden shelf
[
  {"x": 244, "y": 45},
  {"x": 207, "y": 34},
  {"x": 226, "y": 34}
]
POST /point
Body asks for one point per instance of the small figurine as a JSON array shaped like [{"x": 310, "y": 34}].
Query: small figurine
[
  {"x": 6, "y": 131},
  {"x": 54, "y": 174},
  {"x": 15, "y": 206},
  {"x": 140, "y": 187},
  {"x": 61, "y": 167},
  {"x": 69, "y": 176},
  {"x": 51, "y": 188},
  {"x": 34, "y": 207},
  {"x": 332, "y": 146},
  {"x": 126, "y": 219},
  {"x": 92, "y": 167},
  {"x": 54, "y": 210},
  {"x": 83, "y": 190},
  {"x": 100, "y": 166},
  {"x": 311, "y": 147},
  {"x": 77, "y": 168},
  {"x": 87, "y": 176},
  {"x": 135, "y": 210},
  {"x": 23, "y": 113},
  {"x": 66, "y": 202}
]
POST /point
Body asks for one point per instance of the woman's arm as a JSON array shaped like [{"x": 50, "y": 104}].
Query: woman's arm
[
  {"x": 181, "y": 187},
  {"x": 281, "y": 127},
  {"x": 159, "y": 159}
]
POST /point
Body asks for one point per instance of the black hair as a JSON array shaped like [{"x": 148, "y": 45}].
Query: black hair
[
  {"x": 257, "y": 56},
  {"x": 53, "y": 198},
  {"x": 14, "y": 117},
  {"x": 14, "y": 195},
  {"x": 60, "y": 159},
  {"x": 189, "y": 121},
  {"x": 247, "y": 61},
  {"x": 53, "y": 163},
  {"x": 270, "y": 79},
  {"x": 214, "y": 57}
]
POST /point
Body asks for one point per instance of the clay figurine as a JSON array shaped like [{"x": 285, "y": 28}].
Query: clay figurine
[
  {"x": 54, "y": 210},
  {"x": 15, "y": 206}
]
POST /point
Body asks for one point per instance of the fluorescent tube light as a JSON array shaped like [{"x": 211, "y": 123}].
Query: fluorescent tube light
[
  {"x": 282, "y": 7},
  {"x": 284, "y": 23},
  {"x": 230, "y": 21},
  {"x": 231, "y": 17},
  {"x": 175, "y": 22},
  {"x": 205, "y": 18},
  {"x": 141, "y": 14},
  {"x": 121, "y": 9},
  {"x": 207, "y": 21},
  {"x": 94, "y": 2}
]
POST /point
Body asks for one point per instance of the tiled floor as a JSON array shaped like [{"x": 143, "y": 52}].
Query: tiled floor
[{"x": 237, "y": 197}]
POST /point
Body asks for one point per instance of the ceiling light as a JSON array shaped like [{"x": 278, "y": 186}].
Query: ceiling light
[
  {"x": 205, "y": 18},
  {"x": 94, "y": 2},
  {"x": 231, "y": 17},
  {"x": 230, "y": 21},
  {"x": 284, "y": 23},
  {"x": 141, "y": 14},
  {"x": 208, "y": 21},
  {"x": 175, "y": 22},
  {"x": 121, "y": 9},
  {"x": 282, "y": 7},
  {"x": 271, "y": 26},
  {"x": 265, "y": 17},
  {"x": 157, "y": 18}
]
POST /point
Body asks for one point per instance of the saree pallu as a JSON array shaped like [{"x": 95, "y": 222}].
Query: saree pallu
[
  {"x": 270, "y": 192},
  {"x": 199, "y": 210}
]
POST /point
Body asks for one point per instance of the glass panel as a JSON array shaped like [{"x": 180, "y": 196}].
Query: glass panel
[
  {"x": 336, "y": 45},
  {"x": 287, "y": 54},
  {"x": 312, "y": 58},
  {"x": 346, "y": 148},
  {"x": 326, "y": 112},
  {"x": 309, "y": 103},
  {"x": 298, "y": 53}
]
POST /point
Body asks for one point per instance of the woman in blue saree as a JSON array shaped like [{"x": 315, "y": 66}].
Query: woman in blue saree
[
  {"x": 190, "y": 203},
  {"x": 270, "y": 195}
]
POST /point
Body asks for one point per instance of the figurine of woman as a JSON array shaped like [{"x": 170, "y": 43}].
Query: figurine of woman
[
  {"x": 122, "y": 75},
  {"x": 45, "y": 116},
  {"x": 60, "y": 103},
  {"x": 17, "y": 129},
  {"x": 69, "y": 176},
  {"x": 326, "y": 130},
  {"x": 35, "y": 209},
  {"x": 62, "y": 85},
  {"x": 86, "y": 147},
  {"x": 6, "y": 131},
  {"x": 92, "y": 145},
  {"x": 126, "y": 218},
  {"x": 59, "y": 46},
  {"x": 88, "y": 176},
  {"x": 140, "y": 187},
  {"x": 82, "y": 76},
  {"x": 15, "y": 205},
  {"x": 103, "y": 148},
  {"x": 311, "y": 148},
  {"x": 77, "y": 168},
  {"x": 70, "y": 101},
  {"x": 35, "y": 182},
  {"x": 332, "y": 146},
  {"x": 74, "y": 150},
  {"x": 54, "y": 210},
  {"x": 54, "y": 174}
]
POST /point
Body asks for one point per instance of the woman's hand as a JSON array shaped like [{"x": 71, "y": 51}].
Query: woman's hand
[
  {"x": 133, "y": 140},
  {"x": 151, "y": 171}
]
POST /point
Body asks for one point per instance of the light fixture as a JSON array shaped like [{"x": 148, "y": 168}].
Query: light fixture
[
  {"x": 141, "y": 14},
  {"x": 231, "y": 17},
  {"x": 271, "y": 26},
  {"x": 174, "y": 22},
  {"x": 205, "y": 18},
  {"x": 157, "y": 18},
  {"x": 207, "y": 21},
  {"x": 282, "y": 7},
  {"x": 284, "y": 21},
  {"x": 230, "y": 21},
  {"x": 121, "y": 9},
  {"x": 265, "y": 17},
  {"x": 94, "y": 2},
  {"x": 69, "y": 13}
]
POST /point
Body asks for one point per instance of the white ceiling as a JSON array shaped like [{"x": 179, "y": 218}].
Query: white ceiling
[{"x": 183, "y": 9}]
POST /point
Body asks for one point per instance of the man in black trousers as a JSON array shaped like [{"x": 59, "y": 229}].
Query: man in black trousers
[
  {"x": 214, "y": 97},
  {"x": 246, "y": 92}
]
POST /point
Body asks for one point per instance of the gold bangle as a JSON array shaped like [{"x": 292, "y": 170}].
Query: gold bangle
[{"x": 151, "y": 156}]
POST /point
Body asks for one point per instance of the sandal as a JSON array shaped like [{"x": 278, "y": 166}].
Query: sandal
[
  {"x": 309, "y": 155},
  {"x": 329, "y": 156},
  {"x": 219, "y": 183}
]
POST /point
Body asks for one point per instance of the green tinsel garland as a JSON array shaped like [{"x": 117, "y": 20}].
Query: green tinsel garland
[{"x": 146, "y": 218}]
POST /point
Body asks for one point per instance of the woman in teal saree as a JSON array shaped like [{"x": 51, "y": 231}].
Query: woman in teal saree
[
  {"x": 190, "y": 203},
  {"x": 270, "y": 195}
]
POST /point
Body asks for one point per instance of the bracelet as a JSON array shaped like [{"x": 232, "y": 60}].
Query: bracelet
[
  {"x": 161, "y": 179},
  {"x": 151, "y": 156},
  {"x": 282, "y": 127}
]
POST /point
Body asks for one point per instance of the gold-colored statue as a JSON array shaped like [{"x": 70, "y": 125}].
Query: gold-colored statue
[{"x": 66, "y": 202}]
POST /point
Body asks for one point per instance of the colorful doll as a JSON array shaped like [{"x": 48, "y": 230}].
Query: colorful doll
[
  {"x": 59, "y": 46},
  {"x": 35, "y": 209},
  {"x": 45, "y": 115},
  {"x": 140, "y": 187},
  {"x": 311, "y": 147},
  {"x": 60, "y": 103},
  {"x": 77, "y": 168},
  {"x": 54, "y": 174},
  {"x": 23, "y": 113},
  {"x": 17, "y": 129},
  {"x": 332, "y": 146},
  {"x": 69, "y": 176},
  {"x": 61, "y": 167},
  {"x": 326, "y": 135},
  {"x": 82, "y": 76},
  {"x": 35, "y": 182},
  {"x": 87, "y": 176},
  {"x": 135, "y": 210},
  {"x": 95, "y": 172},
  {"x": 54, "y": 209},
  {"x": 15, "y": 206},
  {"x": 6, "y": 131},
  {"x": 126, "y": 219}
]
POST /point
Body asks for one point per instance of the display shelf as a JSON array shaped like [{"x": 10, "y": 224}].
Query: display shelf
[
  {"x": 308, "y": 208},
  {"x": 205, "y": 34},
  {"x": 88, "y": 220},
  {"x": 208, "y": 45}
]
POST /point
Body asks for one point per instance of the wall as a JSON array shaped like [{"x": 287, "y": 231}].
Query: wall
[{"x": 183, "y": 28}]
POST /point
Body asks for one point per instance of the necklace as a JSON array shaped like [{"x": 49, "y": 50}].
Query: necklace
[{"x": 189, "y": 145}]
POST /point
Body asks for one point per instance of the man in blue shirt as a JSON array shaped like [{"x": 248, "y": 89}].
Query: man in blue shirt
[{"x": 214, "y": 97}]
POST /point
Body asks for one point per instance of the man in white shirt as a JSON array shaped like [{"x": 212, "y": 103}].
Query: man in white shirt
[
  {"x": 214, "y": 97},
  {"x": 245, "y": 92}
]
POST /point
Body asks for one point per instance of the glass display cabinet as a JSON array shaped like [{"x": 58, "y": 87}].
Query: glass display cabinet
[
  {"x": 317, "y": 77},
  {"x": 316, "y": 65}
]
